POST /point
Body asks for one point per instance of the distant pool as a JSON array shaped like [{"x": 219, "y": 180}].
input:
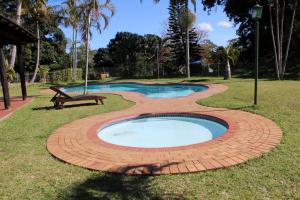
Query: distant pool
[{"x": 149, "y": 90}]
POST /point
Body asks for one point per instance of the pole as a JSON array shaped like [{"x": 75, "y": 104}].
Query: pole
[
  {"x": 87, "y": 54},
  {"x": 256, "y": 63},
  {"x": 187, "y": 40},
  {"x": 3, "y": 79},
  {"x": 157, "y": 57},
  {"x": 21, "y": 71}
]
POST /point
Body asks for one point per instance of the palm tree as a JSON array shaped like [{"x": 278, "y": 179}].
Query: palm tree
[
  {"x": 93, "y": 9},
  {"x": 71, "y": 16},
  {"x": 18, "y": 21},
  {"x": 40, "y": 14},
  {"x": 189, "y": 20},
  {"x": 231, "y": 55},
  {"x": 19, "y": 5}
]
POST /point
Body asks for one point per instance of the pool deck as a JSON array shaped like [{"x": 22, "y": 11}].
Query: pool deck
[{"x": 249, "y": 136}]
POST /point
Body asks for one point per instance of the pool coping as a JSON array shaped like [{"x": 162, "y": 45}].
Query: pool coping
[
  {"x": 250, "y": 136},
  {"x": 231, "y": 128}
]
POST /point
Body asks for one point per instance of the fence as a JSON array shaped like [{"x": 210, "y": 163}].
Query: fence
[{"x": 51, "y": 77}]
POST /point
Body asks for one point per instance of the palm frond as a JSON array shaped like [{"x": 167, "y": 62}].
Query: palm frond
[
  {"x": 194, "y": 5},
  {"x": 155, "y": 1}
]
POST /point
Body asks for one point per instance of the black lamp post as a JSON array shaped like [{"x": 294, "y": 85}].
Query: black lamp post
[{"x": 256, "y": 15}]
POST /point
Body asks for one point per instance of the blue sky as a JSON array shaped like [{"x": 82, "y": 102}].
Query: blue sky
[{"x": 148, "y": 17}]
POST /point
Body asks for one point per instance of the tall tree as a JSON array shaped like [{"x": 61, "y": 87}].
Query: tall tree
[
  {"x": 102, "y": 59},
  {"x": 20, "y": 4},
  {"x": 18, "y": 21},
  {"x": 187, "y": 20},
  {"x": 231, "y": 54},
  {"x": 124, "y": 50},
  {"x": 178, "y": 36},
  {"x": 92, "y": 12},
  {"x": 71, "y": 16},
  {"x": 40, "y": 14},
  {"x": 280, "y": 52},
  {"x": 279, "y": 22}
]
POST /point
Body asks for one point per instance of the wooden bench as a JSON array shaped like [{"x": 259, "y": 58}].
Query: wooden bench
[{"x": 60, "y": 98}]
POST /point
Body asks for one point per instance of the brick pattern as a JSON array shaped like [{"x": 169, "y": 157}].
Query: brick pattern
[
  {"x": 16, "y": 103},
  {"x": 249, "y": 136}
]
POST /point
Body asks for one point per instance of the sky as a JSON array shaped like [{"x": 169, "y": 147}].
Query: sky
[{"x": 149, "y": 18}]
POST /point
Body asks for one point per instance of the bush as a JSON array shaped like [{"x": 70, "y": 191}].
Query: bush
[
  {"x": 44, "y": 70},
  {"x": 10, "y": 72},
  {"x": 64, "y": 75}
]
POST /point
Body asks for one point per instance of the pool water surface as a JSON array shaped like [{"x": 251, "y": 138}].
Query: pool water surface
[
  {"x": 162, "y": 131},
  {"x": 149, "y": 90}
]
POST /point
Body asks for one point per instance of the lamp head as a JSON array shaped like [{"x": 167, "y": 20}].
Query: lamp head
[{"x": 257, "y": 12}]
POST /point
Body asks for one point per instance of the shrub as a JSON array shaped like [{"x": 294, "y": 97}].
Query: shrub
[
  {"x": 44, "y": 70},
  {"x": 64, "y": 75}
]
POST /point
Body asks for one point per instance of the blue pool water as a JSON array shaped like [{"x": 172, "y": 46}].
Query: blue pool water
[
  {"x": 152, "y": 91},
  {"x": 162, "y": 131}
]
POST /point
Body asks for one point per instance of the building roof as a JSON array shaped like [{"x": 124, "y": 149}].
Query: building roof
[{"x": 12, "y": 33}]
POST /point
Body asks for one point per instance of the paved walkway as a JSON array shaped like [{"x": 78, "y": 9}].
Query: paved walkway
[
  {"x": 16, "y": 103},
  {"x": 249, "y": 136}
]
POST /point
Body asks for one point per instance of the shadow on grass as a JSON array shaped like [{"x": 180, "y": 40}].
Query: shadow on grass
[
  {"x": 119, "y": 186},
  {"x": 196, "y": 80},
  {"x": 65, "y": 106},
  {"x": 243, "y": 108}
]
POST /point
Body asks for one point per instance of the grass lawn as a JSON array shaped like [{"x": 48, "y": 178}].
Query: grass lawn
[{"x": 28, "y": 171}]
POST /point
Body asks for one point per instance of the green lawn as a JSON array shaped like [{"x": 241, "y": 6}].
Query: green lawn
[{"x": 28, "y": 171}]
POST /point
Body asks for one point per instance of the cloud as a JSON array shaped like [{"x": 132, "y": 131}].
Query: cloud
[
  {"x": 206, "y": 27},
  {"x": 224, "y": 24}
]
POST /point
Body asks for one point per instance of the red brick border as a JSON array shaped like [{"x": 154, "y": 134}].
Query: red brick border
[{"x": 249, "y": 136}]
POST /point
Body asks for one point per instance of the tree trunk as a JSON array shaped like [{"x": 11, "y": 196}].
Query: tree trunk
[
  {"x": 280, "y": 58},
  {"x": 281, "y": 38},
  {"x": 187, "y": 40},
  {"x": 228, "y": 70},
  {"x": 37, "y": 64},
  {"x": 274, "y": 42},
  {"x": 72, "y": 55},
  {"x": 289, "y": 38},
  {"x": 158, "y": 61},
  {"x": 278, "y": 38},
  {"x": 18, "y": 21},
  {"x": 75, "y": 55},
  {"x": 87, "y": 54}
]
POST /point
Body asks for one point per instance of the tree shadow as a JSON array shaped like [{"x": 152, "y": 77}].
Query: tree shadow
[
  {"x": 119, "y": 186},
  {"x": 242, "y": 108},
  {"x": 196, "y": 80}
]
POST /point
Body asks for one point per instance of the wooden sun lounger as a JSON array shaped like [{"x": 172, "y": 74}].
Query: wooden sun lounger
[{"x": 60, "y": 98}]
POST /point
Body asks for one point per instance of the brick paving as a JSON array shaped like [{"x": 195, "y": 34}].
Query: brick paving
[
  {"x": 16, "y": 103},
  {"x": 249, "y": 136}
]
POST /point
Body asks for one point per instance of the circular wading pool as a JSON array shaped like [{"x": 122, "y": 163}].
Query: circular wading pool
[{"x": 161, "y": 131}]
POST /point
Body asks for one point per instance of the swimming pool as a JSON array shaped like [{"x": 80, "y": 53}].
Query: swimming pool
[
  {"x": 149, "y": 90},
  {"x": 161, "y": 131}
]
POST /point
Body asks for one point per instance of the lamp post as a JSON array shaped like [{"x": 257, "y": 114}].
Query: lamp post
[
  {"x": 157, "y": 59},
  {"x": 256, "y": 15}
]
